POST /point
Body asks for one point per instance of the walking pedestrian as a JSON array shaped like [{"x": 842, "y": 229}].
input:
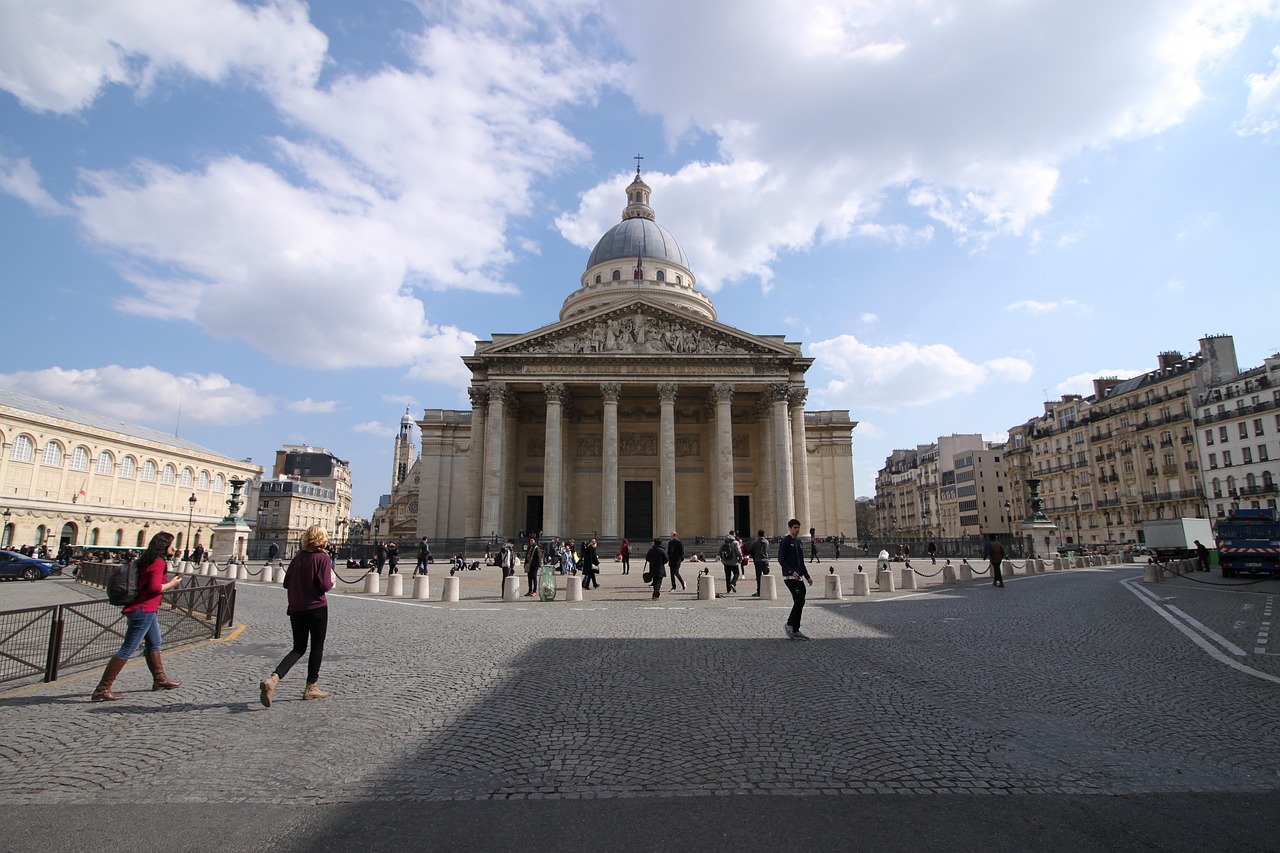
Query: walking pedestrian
[
  {"x": 393, "y": 558},
  {"x": 675, "y": 556},
  {"x": 273, "y": 551},
  {"x": 656, "y": 562},
  {"x": 380, "y": 558},
  {"x": 590, "y": 566},
  {"x": 308, "y": 578},
  {"x": 933, "y": 552},
  {"x": 758, "y": 551},
  {"x": 731, "y": 558},
  {"x": 813, "y": 545},
  {"x": 995, "y": 553},
  {"x": 1202, "y": 554},
  {"x": 794, "y": 575},
  {"x": 143, "y": 620},
  {"x": 532, "y": 565},
  {"x": 424, "y": 556}
]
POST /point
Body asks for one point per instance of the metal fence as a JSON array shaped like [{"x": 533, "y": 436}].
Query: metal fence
[{"x": 44, "y": 641}]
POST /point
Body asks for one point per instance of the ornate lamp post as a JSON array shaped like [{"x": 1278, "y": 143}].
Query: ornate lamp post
[
  {"x": 88, "y": 519},
  {"x": 186, "y": 544},
  {"x": 1075, "y": 503},
  {"x": 7, "y": 536}
]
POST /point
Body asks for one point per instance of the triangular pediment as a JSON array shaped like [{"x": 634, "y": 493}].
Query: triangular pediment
[{"x": 638, "y": 327}]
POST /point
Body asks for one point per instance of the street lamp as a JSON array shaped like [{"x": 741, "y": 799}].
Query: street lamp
[
  {"x": 88, "y": 519},
  {"x": 7, "y": 536},
  {"x": 1075, "y": 502},
  {"x": 186, "y": 545}
]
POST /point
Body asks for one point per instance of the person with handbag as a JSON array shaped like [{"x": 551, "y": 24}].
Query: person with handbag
[
  {"x": 308, "y": 578},
  {"x": 590, "y": 566},
  {"x": 143, "y": 620},
  {"x": 656, "y": 562}
]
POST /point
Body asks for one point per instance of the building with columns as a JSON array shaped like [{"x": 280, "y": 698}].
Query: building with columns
[{"x": 635, "y": 414}]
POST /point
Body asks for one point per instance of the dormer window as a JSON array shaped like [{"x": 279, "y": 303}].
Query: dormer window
[
  {"x": 597, "y": 278},
  {"x": 679, "y": 279},
  {"x": 617, "y": 275},
  {"x": 662, "y": 275}
]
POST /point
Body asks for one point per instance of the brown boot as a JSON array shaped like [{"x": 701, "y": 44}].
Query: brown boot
[
  {"x": 313, "y": 692},
  {"x": 159, "y": 681},
  {"x": 268, "y": 689},
  {"x": 102, "y": 693}
]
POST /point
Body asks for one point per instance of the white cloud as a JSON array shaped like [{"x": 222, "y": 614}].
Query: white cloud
[
  {"x": 376, "y": 428},
  {"x": 1031, "y": 306},
  {"x": 1082, "y": 383},
  {"x": 313, "y": 407},
  {"x": 1262, "y": 115},
  {"x": 19, "y": 179},
  {"x": 868, "y": 318},
  {"x": 144, "y": 395},
  {"x": 904, "y": 374},
  {"x": 58, "y": 55}
]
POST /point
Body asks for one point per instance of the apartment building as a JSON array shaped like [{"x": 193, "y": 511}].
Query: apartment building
[{"x": 1238, "y": 426}]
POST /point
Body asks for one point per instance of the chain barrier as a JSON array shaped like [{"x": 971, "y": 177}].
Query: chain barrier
[
  {"x": 1164, "y": 568},
  {"x": 354, "y": 582},
  {"x": 927, "y": 575}
]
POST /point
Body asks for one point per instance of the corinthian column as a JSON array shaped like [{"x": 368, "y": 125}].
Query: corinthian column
[
  {"x": 784, "y": 485},
  {"x": 800, "y": 456},
  {"x": 552, "y": 487},
  {"x": 667, "y": 457},
  {"x": 764, "y": 423},
  {"x": 722, "y": 467},
  {"x": 609, "y": 457},
  {"x": 475, "y": 467},
  {"x": 495, "y": 429}
]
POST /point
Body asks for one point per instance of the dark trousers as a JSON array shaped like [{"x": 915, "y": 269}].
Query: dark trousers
[
  {"x": 657, "y": 586},
  {"x": 731, "y": 575},
  {"x": 589, "y": 579},
  {"x": 307, "y": 625},
  {"x": 626, "y": 565},
  {"x": 675, "y": 576},
  {"x": 996, "y": 577},
  {"x": 759, "y": 574},
  {"x": 533, "y": 580},
  {"x": 796, "y": 585}
]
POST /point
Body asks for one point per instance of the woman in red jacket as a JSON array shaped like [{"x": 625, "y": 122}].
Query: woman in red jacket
[
  {"x": 309, "y": 577},
  {"x": 143, "y": 618}
]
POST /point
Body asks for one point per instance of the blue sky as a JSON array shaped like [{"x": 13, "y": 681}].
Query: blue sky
[{"x": 289, "y": 220}]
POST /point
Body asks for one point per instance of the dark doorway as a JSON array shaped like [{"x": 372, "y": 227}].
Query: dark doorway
[
  {"x": 742, "y": 516},
  {"x": 637, "y": 510},
  {"x": 533, "y": 515}
]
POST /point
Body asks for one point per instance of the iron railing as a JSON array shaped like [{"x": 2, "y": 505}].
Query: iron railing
[{"x": 46, "y": 640}]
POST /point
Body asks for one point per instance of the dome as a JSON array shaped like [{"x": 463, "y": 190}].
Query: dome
[{"x": 639, "y": 237}]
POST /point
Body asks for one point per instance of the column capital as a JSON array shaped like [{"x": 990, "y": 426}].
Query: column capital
[
  {"x": 610, "y": 391},
  {"x": 554, "y": 391},
  {"x": 667, "y": 391},
  {"x": 479, "y": 396},
  {"x": 722, "y": 392},
  {"x": 778, "y": 392},
  {"x": 498, "y": 393},
  {"x": 796, "y": 395}
]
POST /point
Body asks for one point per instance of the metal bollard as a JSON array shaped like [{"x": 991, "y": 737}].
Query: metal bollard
[
  {"x": 511, "y": 588},
  {"x": 452, "y": 588},
  {"x": 422, "y": 588},
  {"x": 573, "y": 588},
  {"x": 372, "y": 583},
  {"x": 769, "y": 588},
  {"x": 833, "y": 592},
  {"x": 908, "y": 580},
  {"x": 395, "y": 586},
  {"x": 706, "y": 588}
]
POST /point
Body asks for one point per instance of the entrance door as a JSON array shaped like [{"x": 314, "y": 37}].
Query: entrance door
[
  {"x": 533, "y": 514},
  {"x": 637, "y": 510},
  {"x": 742, "y": 516}
]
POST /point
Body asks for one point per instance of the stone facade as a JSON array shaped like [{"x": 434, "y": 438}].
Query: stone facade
[{"x": 634, "y": 415}]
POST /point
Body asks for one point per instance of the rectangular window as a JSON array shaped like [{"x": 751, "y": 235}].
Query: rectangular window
[
  {"x": 1213, "y": 460},
  {"x": 1246, "y": 455},
  {"x": 1226, "y": 459},
  {"x": 1244, "y": 429},
  {"x": 1222, "y": 433},
  {"x": 1208, "y": 437},
  {"x": 1262, "y": 453},
  {"x": 1257, "y": 427}
]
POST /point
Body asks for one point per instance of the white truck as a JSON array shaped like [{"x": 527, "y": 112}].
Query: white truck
[{"x": 1174, "y": 538}]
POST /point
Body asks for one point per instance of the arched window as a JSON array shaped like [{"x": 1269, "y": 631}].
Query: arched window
[
  {"x": 662, "y": 275},
  {"x": 142, "y": 535},
  {"x": 679, "y": 279},
  {"x": 1250, "y": 481},
  {"x": 52, "y": 455},
  {"x": 168, "y": 475},
  {"x": 597, "y": 278},
  {"x": 128, "y": 468},
  {"x": 202, "y": 482},
  {"x": 1267, "y": 482},
  {"x": 119, "y": 537},
  {"x": 80, "y": 459},
  {"x": 93, "y": 536},
  {"x": 148, "y": 471},
  {"x": 1217, "y": 487},
  {"x": 22, "y": 449},
  {"x": 105, "y": 463},
  {"x": 185, "y": 482},
  {"x": 617, "y": 275},
  {"x": 217, "y": 483}
]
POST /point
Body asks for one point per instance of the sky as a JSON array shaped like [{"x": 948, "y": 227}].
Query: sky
[{"x": 267, "y": 223}]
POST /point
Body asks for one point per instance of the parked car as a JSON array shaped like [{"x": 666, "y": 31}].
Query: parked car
[{"x": 15, "y": 565}]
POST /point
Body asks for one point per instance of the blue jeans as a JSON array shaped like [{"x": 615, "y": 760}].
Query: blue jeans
[{"x": 142, "y": 626}]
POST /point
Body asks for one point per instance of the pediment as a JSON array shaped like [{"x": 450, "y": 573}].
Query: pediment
[{"x": 639, "y": 327}]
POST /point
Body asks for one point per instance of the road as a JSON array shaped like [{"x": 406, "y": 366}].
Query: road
[{"x": 1075, "y": 709}]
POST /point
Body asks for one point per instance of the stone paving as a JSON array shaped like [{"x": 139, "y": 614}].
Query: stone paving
[{"x": 1063, "y": 683}]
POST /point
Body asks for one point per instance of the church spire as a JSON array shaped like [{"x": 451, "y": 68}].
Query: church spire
[{"x": 638, "y": 197}]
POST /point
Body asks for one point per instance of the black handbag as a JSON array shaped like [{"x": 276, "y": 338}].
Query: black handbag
[{"x": 647, "y": 577}]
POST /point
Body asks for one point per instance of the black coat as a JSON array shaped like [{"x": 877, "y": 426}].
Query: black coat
[
  {"x": 675, "y": 553},
  {"x": 657, "y": 562},
  {"x": 590, "y": 562}
]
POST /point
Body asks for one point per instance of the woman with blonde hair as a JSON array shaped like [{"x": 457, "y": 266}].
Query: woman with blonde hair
[{"x": 308, "y": 578}]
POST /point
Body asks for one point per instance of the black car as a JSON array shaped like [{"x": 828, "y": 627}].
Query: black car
[{"x": 15, "y": 565}]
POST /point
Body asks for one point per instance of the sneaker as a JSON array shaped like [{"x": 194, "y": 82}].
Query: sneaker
[
  {"x": 796, "y": 635},
  {"x": 791, "y": 632}
]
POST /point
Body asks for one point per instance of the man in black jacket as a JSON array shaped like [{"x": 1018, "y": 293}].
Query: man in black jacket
[
  {"x": 731, "y": 557},
  {"x": 794, "y": 575},
  {"x": 675, "y": 556},
  {"x": 758, "y": 551}
]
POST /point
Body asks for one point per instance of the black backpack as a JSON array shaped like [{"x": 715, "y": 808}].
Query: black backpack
[{"x": 122, "y": 586}]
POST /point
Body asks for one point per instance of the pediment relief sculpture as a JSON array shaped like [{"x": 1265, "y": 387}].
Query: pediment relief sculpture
[{"x": 638, "y": 333}]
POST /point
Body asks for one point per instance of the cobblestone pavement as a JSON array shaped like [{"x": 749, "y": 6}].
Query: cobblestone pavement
[{"x": 1070, "y": 683}]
